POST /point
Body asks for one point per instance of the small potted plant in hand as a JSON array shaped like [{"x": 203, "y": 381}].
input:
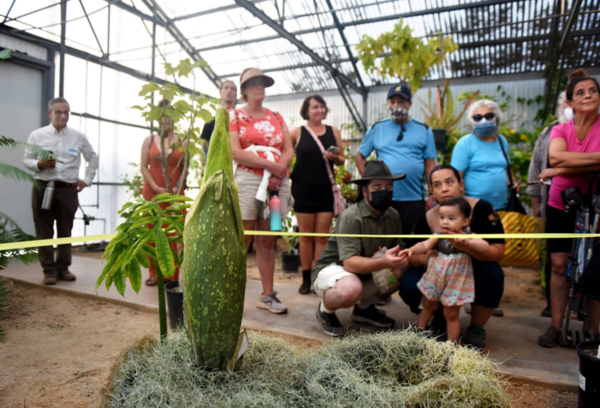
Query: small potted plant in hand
[{"x": 290, "y": 260}]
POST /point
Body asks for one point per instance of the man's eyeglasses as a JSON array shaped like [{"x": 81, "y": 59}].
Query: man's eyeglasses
[
  {"x": 401, "y": 134},
  {"x": 59, "y": 112},
  {"x": 488, "y": 116}
]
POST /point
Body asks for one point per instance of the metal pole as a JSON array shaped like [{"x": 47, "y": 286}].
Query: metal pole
[
  {"x": 63, "y": 47},
  {"x": 152, "y": 69}
]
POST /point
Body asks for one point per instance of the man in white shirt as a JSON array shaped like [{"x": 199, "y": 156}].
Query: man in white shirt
[{"x": 67, "y": 144}]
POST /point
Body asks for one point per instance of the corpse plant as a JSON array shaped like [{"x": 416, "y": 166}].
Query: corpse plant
[{"x": 214, "y": 281}]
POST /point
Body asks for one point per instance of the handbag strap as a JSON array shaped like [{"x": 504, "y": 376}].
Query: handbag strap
[
  {"x": 316, "y": 138},
  {"x": 508, "y": 172}
]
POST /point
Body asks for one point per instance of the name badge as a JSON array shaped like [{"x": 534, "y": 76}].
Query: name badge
[{"x": 73, "y": 152}]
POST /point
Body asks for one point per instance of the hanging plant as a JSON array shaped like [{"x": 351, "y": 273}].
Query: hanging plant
[{"x": 398, "y": 55}]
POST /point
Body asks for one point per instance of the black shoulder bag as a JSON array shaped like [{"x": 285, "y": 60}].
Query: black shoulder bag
[{"x": 514, "y": 205}]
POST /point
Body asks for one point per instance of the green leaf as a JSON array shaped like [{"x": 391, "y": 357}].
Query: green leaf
[
  {"x": 169, "y": 70},
  {"x": 135, "y": 275},
  {"x": 109, "y": 280},
  {"x": 103, "y": 275},
  {"x": 149, "y": 88},
  {"x": 120, "y": 281},
  {"x": 200, "y": 63},
  {"x": 164, "y": 255},
  {"x": 6, "y": 54},
  {"x": 184, "y": 68},
  {"x": 142, "y": 259}
]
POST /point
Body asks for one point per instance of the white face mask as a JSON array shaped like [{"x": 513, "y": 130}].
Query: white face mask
[{"x": 568, "y": 113}]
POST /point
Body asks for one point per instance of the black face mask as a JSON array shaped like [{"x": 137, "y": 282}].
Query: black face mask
[{"x": 381, "y": 200}]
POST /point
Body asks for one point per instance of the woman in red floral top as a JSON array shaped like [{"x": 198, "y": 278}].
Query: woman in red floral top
[{"x": 263, "y": 151}]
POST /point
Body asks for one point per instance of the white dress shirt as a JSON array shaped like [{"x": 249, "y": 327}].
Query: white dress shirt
[{"x": 67, "y": 145}]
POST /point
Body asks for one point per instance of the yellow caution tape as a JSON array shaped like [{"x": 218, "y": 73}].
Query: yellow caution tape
[{"x": 107, "y": 237}]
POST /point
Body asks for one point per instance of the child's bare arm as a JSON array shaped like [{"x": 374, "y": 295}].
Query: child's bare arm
[
  {"x": 422, "y": 247},
  {"x": 477, "y": 244}
]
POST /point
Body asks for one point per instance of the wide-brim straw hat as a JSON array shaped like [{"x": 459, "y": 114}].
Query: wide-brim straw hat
[
  {"x": 255, "y": 73},
  {"x": 377, "y": 169}
]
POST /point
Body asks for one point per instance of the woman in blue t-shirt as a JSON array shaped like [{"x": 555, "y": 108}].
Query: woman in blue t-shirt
[{"x": 480, "y": 159}]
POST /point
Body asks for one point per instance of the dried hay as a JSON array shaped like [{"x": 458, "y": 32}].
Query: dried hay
[{"x": 392, "y": 369}]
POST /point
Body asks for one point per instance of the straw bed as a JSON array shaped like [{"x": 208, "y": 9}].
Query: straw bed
[{"x": 393, "y": 369}]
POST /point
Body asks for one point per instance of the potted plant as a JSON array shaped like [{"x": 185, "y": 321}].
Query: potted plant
[
  {"x": 439, "y": 114},
  {"x": 290, "y": 260}
]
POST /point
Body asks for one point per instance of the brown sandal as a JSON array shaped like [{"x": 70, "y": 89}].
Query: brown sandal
[{"x": 151, "y": 281}]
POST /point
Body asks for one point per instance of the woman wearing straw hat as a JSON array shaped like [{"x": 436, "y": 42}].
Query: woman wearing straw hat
[{"x": 262, "y": 152}]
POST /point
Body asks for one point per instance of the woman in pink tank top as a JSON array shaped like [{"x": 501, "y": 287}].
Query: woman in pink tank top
[{"x": 574, "y": 154}]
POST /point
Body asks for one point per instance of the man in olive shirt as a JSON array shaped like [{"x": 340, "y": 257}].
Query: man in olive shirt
[{"x": 342, "y": 276}]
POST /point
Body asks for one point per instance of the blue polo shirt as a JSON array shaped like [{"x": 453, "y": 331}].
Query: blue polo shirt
[
  {"x": 407, "y": 156},
  {"x": 484, "y": 166}
]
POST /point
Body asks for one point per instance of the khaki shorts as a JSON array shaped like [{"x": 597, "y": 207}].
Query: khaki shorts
[
  {"x": 328, "y": 277},
  {"x": 248, "y": 185}
]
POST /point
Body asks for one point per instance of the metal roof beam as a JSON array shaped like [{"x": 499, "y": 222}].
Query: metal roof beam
[
  {"x": 418, "y": 13},
  {"x": 140, "y": 14},
  {"x": 570, "y": 23},
  {"x": 183, "y": 42},
  {"x": 340, "y": 29},
  {"x": 285, "y": 34},
  {"x": 460, "y": 46},
  {"x": 6, "y": 30},
  {"x": 212, "y": 11}
]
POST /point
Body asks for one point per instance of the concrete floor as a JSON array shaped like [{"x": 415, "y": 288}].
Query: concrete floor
[{"x": 511, "y": 341}]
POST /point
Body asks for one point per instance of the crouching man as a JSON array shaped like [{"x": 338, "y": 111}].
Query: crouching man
[{"x": 342, "y": 275}]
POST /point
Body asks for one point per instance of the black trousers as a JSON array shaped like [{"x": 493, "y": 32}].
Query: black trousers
[
  {"x": 64, "y": 206},
  {"x": 410, "y": 212}
]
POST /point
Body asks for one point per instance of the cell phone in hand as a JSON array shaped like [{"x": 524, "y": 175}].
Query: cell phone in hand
[{"x": 333, "y": 149}]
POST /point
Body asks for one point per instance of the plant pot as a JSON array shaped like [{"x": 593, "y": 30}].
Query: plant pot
[
  {"x": 174, "y": 304},
  {"x": 440, "y": 136},
  {"x": 290, "y": 261},
  {"x": 589, "y": 375}
]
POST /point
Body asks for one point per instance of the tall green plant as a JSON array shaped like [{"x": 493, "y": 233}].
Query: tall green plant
[
  {"x": 397, "y": 54},
  {"x": 146, "y": 222},
  {"x": 214, "y": 279},
  {"x": 183, "y": 111}
]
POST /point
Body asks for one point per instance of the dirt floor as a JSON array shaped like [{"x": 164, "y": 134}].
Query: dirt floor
[{"x": 59, "y": 349}]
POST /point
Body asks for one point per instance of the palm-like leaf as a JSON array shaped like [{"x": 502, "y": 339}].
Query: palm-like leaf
[
  {"x": 10, "y": 232},
  {"x": 6, "y": 54},
  {"x": 41, "y": 153},
  {"x": 15, "y": 173}
]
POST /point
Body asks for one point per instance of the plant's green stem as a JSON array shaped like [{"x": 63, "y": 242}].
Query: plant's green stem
[{"x": 162, "y": 310}]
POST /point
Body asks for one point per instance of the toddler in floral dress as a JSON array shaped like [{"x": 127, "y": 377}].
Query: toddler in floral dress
[{"x": 449, "y": 277}]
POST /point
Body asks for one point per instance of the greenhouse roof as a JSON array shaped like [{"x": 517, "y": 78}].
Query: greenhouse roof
[{"x": 309, "y": 45}]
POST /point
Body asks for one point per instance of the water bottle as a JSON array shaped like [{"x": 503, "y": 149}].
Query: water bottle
[
  {"x": 384, "y": 277},
  {"x": 275, "y": 209},
  {"x": 47, "y": 201}
]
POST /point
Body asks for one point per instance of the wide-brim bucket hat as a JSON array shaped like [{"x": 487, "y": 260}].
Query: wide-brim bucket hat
[
  {"x": 255, "y": 73},
  {"x": 377, "y": 169}
]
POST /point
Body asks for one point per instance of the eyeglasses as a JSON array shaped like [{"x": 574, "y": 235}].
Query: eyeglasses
[
  {"x": 401, "y": 134},
  {"x": 59, "y": 112},
  {"x": 488, "y": 116}
]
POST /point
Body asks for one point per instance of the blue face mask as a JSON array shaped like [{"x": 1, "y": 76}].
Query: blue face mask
[{"x": 484, "y": 128}]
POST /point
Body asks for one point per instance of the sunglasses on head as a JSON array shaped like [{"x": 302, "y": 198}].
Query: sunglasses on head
[
  {"x": 488, "y": 116},
  {"x": 401, "y": 134}
]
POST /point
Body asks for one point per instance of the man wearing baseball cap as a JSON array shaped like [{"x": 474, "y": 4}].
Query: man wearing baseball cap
[{"x": 405, "y": 146}]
